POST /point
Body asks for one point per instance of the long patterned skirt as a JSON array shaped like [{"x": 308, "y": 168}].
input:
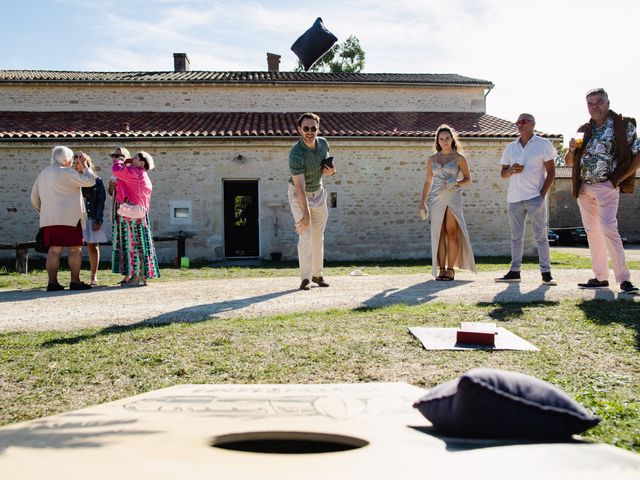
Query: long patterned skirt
[{"x": 133, "y": 251}]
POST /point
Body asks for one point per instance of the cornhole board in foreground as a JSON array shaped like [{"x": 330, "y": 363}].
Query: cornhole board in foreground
[{"x": 348, "y": 431}]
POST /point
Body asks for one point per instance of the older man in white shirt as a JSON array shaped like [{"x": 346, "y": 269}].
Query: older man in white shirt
[
  {"x": 57, "y": 196},
  {"x": 529, "y": 165}
]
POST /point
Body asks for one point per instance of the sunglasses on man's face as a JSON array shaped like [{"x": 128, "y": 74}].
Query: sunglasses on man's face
[
  {"x": 524, "y": 121},
  {"x": 306, "y": 129}
]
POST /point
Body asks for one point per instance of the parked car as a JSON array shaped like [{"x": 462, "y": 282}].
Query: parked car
[
  {"x": 567, "y": 236},
  {"x": 571, "y": 236}
]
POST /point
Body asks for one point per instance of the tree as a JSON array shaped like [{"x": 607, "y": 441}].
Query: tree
[
  {"x": 345, "y": 57},
  {"x": 559, "y": 161}
]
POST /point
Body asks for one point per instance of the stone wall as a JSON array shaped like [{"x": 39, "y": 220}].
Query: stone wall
[
  {"x": 378, "y": 188},
  {"x": 564, "y": 211},
  {"x": 241, "y": 98}
]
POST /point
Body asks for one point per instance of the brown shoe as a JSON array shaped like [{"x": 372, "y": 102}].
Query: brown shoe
[
  {"x": 54, "y": 287},
  {"x": 320, "y": 281},
  {"x": 304, "y": 285},
  {"x": 79, "y": 286}
]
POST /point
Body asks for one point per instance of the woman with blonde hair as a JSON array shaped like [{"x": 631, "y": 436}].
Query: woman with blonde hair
[
  {"x": 134, "y": 252},
  {"x": 447, "y": 172},
  {"x": 94, "y": 198}
]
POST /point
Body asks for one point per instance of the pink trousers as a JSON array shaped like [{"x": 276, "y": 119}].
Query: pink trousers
[{"x": 598, "y": 204}]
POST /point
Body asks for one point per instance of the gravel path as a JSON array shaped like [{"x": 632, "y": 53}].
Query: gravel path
[{"x": 192, "y": 301}]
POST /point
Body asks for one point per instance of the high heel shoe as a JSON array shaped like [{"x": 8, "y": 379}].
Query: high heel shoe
[{"x": 449, "y": 276}]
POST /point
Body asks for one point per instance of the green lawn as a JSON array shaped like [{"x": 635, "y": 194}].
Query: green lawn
[{"x": 588, "y": 348}]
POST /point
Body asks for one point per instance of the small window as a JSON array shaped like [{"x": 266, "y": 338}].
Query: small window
[
  {"x": 333, "y": 199},
  {"x": 180, "y": 213}
]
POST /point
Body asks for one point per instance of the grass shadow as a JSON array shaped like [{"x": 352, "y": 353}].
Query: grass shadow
[
  {"x": 599, "y": 312},
  {"x": 506, "y": 308},
  {"x": 417, "y": 294},
  {"x": 192, "y": 314}
]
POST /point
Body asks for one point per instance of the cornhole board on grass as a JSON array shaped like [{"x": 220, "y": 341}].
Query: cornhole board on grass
[
  {"x": 445, "y": 339},
  {"x": 194, "y": 432}
]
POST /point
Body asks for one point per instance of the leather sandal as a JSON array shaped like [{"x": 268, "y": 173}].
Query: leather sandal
[
  {"x": 447, "y": 277},
  {"x": 441, "y": 275}
]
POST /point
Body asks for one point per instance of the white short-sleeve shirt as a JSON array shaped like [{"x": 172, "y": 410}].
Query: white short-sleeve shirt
[{"x": 528, "y": 183}]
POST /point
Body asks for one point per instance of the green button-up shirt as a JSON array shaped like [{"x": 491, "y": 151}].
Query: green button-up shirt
[{"x": 305, "y": 160}]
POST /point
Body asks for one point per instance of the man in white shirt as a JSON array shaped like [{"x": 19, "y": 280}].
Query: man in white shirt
[{"x": 528, "y": 163}]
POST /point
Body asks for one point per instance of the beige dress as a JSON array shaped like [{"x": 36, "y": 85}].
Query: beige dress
[{"x": 441, "y": 197}]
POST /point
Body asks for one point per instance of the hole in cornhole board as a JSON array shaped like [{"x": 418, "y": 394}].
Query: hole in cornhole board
[{"x": 287, "y": 442}]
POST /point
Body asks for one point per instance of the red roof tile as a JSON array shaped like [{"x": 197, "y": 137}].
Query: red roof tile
[
  {"x": 23, "y": 125},
  {"x": 36, "y": 76}
]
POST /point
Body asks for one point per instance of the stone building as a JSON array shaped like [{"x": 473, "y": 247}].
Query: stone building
[{"x": 221, "y": 142}]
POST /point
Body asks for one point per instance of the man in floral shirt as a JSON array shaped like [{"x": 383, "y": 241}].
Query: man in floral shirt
[{"x": 604, "y": 164}]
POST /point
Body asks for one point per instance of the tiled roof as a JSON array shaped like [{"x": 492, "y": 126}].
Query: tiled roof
[
  {"x": 41, "y": 125},
  {"x": 35, "y": 76}
]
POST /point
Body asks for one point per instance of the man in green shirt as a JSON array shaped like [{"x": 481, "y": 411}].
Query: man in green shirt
[{"x": 308, "y": 199}]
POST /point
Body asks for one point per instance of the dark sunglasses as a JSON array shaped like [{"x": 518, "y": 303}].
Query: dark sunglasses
[
  {"x": 117, "y": 155},
  {"x": 306, "y": 129},
  {"x": 523, "y": 122}
]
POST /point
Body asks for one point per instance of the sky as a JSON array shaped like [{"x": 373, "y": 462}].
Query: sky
[{"x": 542, "y": 56}]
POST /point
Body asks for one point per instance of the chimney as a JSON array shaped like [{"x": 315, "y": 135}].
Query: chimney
[
  {"x": 273, "y": 62},
  {"x": 180, "y": 62}
]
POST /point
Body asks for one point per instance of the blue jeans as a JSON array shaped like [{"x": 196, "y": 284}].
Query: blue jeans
[{"x": 518, "y": 211}]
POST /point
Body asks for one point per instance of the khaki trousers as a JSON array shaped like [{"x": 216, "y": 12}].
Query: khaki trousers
[
  {"x": 311, "y": 242},
  {"x": 598, "y": 204}
]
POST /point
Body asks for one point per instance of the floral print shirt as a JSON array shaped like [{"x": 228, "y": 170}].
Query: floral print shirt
[{"x": 599, "y": 160}]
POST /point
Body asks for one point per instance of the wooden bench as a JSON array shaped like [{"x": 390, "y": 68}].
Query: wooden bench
[{"x": 22, "y": 248}]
